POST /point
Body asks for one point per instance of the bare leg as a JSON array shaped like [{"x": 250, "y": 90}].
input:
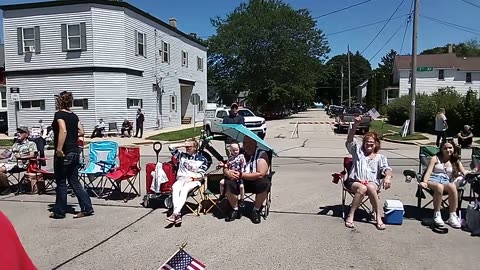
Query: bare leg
[
  {"x": 259, "y": 199},
  {"x": 222, "y": 184},
  {"x": 451, "y": 188},
  {"x": 360, "y": 190},
  {"x": 437, "y": 195},
  {"x": 375, "y": 201},
  {"x": 242, "y": 192}
]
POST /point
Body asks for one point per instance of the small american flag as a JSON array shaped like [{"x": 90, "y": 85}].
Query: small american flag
[{"x": 182, "y": 261}]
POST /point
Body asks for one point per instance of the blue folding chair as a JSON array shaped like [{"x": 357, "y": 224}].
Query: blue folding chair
[{"x": 102, "y": 157}]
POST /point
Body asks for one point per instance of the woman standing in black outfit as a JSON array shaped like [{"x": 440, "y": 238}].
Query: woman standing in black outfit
[{"x": 66, "y": 130}]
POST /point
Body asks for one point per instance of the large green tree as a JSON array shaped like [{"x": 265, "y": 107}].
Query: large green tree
[
  {"x": 269, "y": 50},
  {"x": 381, "y": 78},
  {"x": 329, "y": 86},
  {"x": 464, "y": 49}
]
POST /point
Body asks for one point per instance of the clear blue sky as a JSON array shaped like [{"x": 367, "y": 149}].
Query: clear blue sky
[{"x": 194, "y": 16}]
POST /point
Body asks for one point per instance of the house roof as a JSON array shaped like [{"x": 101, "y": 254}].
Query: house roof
[
  {"x": 446, "y": 61},
  {"x": 363, "y": 83},
  {"x": 102, "y": 2}
]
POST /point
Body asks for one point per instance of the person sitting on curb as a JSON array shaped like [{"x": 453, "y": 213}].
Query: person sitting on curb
[
  {"x": 126, "y": 126},
  {"x": 465, "y": 137}
]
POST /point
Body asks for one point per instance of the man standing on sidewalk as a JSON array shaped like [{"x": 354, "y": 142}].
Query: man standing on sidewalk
[
  {"x": 233, "y": 118},
  {"x": 139, "y": 123}
]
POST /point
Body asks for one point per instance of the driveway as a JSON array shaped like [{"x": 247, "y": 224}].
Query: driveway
[{"x": 303, "y": 231}]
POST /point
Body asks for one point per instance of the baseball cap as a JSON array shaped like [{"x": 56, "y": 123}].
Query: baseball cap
[{"x": 22, "y": 129}]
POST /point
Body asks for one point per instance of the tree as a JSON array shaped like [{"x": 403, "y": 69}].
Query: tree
[
  {"x": 268, "y": 49},
  {"x": 468, "y": 48},
  {"x": 329, "y": 86},
  {"x": 381, "y": 78}
]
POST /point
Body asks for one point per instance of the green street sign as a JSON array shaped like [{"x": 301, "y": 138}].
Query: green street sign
[{"x": 420, "y": 69}]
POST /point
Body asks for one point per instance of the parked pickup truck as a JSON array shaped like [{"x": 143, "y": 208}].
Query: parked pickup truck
[
  {"x": 344, "y": 120},
  {"x": 214, "y": 118}
]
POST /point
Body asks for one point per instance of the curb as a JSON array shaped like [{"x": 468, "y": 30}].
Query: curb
[{"x": 400, "y": 142}]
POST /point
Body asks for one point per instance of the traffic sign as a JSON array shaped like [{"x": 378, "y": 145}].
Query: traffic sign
[
  {"x": 195, "y": 99},
  {"x": 15, "y": 97},
  {"x": 421, "y": 69}
]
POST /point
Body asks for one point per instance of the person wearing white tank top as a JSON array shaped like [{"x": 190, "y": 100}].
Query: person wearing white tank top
[{"x": 440, "y": 177}]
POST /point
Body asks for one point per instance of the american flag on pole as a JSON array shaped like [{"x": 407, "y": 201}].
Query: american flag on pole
[{"x": 182, "y": 261}]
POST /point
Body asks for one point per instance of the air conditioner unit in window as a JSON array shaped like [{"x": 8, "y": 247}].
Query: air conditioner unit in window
[{"x": 30, "y": 49}]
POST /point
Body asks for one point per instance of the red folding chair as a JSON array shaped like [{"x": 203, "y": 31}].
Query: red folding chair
[{"x": 128, "y": 171}]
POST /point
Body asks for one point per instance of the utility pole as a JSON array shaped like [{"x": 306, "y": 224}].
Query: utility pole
[
  {"x": 341, "y": 87},
  {"x": 349, "y": 84},
  {"x": 413, "y": 80}
]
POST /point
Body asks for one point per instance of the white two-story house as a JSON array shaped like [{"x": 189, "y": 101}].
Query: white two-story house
[
  {"x": 113, "y": 57},
  {"x": 434, "y": 71}
]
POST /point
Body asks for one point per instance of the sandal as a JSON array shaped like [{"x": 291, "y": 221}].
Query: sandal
[
  {"x": 380, "y": 226},
  {"x": 349, "y": 224}
]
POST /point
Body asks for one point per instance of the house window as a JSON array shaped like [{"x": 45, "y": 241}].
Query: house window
[
  {"x": 81, "y": 103},
  {"x": 141, "y": 46},
  {"x": 33, "y": 104},
  {"x": 441, "y": 74},
  {"x": 165, "y": 52},
  {"x": 28, "y": 39},
  {"x": 184, "y": 59},
  {"x": 199, "y": 63},
  {"x": 468, "y": 77},
  {"x": 173, "y": 103},
  {"x": 3, "y": 97},
  {"x": 73, "y": 37},
  {"x": 201, "y": 106},
  {"x": 134, "y": 103}
]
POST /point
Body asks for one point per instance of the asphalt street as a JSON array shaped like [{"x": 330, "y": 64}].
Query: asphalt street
[{"x": 303, "y": 231}]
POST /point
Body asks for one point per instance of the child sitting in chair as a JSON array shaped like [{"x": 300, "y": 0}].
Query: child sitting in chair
[{"x": 235, "y": 162}]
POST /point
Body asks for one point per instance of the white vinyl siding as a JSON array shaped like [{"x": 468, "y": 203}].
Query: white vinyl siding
[
  {"x": 110, "y": 96},
  {"x": 109, "y": 37},
  {"x": 49, "y": 24},
  {"x": 428, "y": 82}
]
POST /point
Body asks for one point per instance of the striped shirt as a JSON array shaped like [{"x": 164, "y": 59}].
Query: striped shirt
[{"x": 365, "y": 168}]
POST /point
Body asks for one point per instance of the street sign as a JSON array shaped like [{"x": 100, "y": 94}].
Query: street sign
[
  {"x": 195, "y": 99},
  {"x": 14, "y": 90},
  {"x": 15, "y": 97},
  {"x": 421, "y": 69}
]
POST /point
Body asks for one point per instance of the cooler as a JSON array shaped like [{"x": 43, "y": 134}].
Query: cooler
[{"x": 394, "y": 212}]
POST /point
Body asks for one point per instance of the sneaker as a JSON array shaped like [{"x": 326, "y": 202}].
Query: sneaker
[
  {"x": 437, "y": 218},
  {"x": 172, "y": 218},
  {"x": 235, "y": 214},
  {"x": 454, "y": 221},
  {"x": 256, "y": 217}
]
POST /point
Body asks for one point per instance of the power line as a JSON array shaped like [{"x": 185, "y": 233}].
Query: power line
[
  {"x": 365, "y": 25},
  {"x": 452, "y": 25},
  {"x": 342, "y": 9},
  {"x": 385, "y": 44},
  {"x": 389, "y": 19},
  {"x": 405, "y": 33},
  {"x": 470, "y": 3}
]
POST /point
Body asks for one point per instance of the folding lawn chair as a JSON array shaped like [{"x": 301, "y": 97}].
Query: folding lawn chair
[
  {"x": 341, "y": 177},
  {"x": 128, "y": 171},
  {"x": 249, "y": 195},
  {"x": 426, "y": 152},
  {"x": 102, "y": 160},
  {"x": 35, "y": 168},
  {"x": 475, "y": 166},
  {"x": 210, "y": 190}
]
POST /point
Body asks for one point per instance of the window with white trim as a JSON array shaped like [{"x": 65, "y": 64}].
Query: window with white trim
[
  {"x": 134, "y": 103},
  {"x": 199, "y": 63},
  {"x": 3, "y": 96},
  {"x": 165, "y": 52},
  {"x": 28, "y": 38},
  {"x": 73, "y": 37},
  {"x": 184, "y": 59},
  {"x": 173, "y": 103},
  {"x": 81, "y": 103},
  {"x": 141, "y": 48},
  {"x": 33, "y": 104}
]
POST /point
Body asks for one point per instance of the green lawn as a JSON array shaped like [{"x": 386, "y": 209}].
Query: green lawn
[
  {"x": 176, "y": 135},
  {"x": 6, "y": 142},
  {"x": 382, "y": 128}
]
